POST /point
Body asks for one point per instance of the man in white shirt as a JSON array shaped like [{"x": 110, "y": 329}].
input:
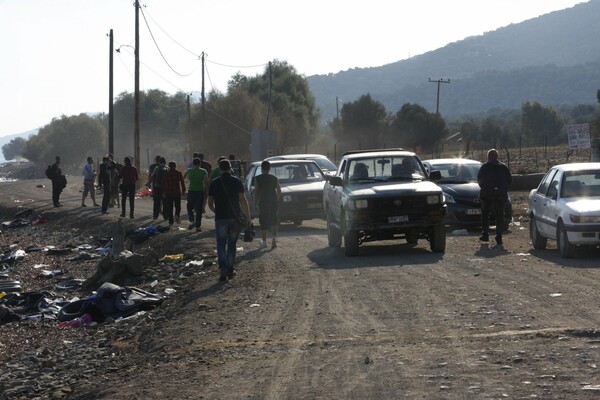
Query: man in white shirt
[{"x": 89, "y": 175}]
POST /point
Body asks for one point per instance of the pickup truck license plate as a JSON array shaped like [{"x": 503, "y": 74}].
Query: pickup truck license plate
[
  {"x": 399, "y": 218},
  {"x": 474, "y": 211}
]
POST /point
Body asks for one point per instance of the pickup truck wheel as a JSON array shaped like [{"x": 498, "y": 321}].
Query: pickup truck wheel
[
  {"x": 566, "y": 249},
  {"x": 334, "y": 236},
  {"x": 351, "y": 243},
  {"x": 539, "y": 242},
  {"x": 437, "y": 239}
]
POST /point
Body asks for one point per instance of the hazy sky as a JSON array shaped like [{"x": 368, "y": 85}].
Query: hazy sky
[{"x": 55, "y": 52}]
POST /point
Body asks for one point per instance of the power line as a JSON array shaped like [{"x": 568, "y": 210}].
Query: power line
[{"x": 160, "y": 51}]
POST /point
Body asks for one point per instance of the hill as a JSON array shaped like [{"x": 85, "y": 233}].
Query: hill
[
  {"x": 554, "y": 58},
  {"x": 7, "y": 139}
]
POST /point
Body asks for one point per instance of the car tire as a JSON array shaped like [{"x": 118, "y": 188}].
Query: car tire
[
  {"x": 437, "y": 239},
  {"x": 334, "y": 236},
  {"x": 566, "y": 249},
  {"x": 539, "y": 242},
  {"x": 351, "y": 243},
  {"x": 297, "y": 222}
]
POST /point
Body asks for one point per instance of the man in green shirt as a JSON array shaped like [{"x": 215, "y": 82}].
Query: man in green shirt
[
  {"x": 217, "y": 171},
  {"x": 196, "y": 200}
]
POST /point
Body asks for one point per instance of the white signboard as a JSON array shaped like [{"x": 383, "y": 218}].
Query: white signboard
[{"x": 579, "y": 136}]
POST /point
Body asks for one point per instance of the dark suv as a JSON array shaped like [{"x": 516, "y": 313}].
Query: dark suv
[{"x": 380, "y": 195}]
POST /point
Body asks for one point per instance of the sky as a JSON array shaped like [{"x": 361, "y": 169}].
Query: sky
[{"x": 55, "y": 53}]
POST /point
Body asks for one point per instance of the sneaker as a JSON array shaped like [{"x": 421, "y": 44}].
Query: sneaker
[
  {"x": 131, "y": 217},
  {"x": 231, "y": 274},
  {"x": 263, "y": 244},
  {"x": 198, "y": 229},
  {"x": 177, "y": 220},
  {"x": 484, "y": 238},
  {"x": 122, "y": 215},
  {"x": 192, "y": 226},
  {"x": 83, "y": 205},
  {"x": 96, "y": 205},
  {"x": 273, "y": 244},
  {"x": 222, "y": 277}
]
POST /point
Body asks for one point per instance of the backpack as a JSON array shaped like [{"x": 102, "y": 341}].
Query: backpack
[{"x": 50, "y": 172}]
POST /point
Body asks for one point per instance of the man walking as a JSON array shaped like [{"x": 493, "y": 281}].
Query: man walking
[
  {"x": 227, "y": 200},
  {"x": 156, "y": 180},
  {"x": 266, "y": 195},
  {"x": 104, "y": 181},
  {"x": 129, "y": 176},
  {"x": 89, "y": 176},
  {"x": 174, "y": 187},
  {"x": 494, "y": 178},
  {"x": 196, "y": 200}
]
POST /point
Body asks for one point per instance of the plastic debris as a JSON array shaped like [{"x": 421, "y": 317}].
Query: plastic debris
[
  {"x": 254, "y": 305},
  {"x": 172, "y": 257},
  {"x": 460, "y": 232},
  {"x": 556, "y": 295},
  {"x": 170, "y": 291},
  {"x": 195, "y": 263}
]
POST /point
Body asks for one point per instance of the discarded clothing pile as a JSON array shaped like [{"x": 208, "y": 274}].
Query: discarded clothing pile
[
  {"x": 109, "y": 301},
  {"x": 140, "y": 235}
]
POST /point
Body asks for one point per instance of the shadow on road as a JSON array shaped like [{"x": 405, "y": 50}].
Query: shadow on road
[{"x": 386, "y": 255}]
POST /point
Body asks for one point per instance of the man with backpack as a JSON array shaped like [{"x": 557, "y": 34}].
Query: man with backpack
[
  {"x": 156, "y": 182},
  {"x": 59, "y": 181}
]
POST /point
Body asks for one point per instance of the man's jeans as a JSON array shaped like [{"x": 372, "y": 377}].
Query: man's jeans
[
  {"x": 227, "y": 237},
  {"x": 195, "y": 201}
]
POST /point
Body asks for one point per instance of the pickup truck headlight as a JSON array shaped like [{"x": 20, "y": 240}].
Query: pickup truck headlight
[
  {"x": 286, "y": 198},
  {"x": 448, "y": 198},
  {"x": 358, "y": 204},
  {"x": 362, "y": 203},
  {"x": 434, "y": 199},
  {"x": 584, "y": 219}
]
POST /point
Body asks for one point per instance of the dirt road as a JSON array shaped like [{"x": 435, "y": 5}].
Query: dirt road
[{"x": 305, "y": 322}]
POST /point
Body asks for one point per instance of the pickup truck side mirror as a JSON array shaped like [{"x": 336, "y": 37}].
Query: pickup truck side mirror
[
  {"x": 335, "y": 180},
  {"x": 435, "y": 175}
]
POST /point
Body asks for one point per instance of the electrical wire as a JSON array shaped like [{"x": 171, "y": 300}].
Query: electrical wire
[
  {"x": 160, "y": 51},
  {"x": 170, "y": 37},
  {"x": 228, "y": 121}
]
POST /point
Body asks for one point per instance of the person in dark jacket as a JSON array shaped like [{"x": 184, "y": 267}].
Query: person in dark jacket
[
  {"x": 104, "y": 179},
  {"x": 58, "y": 182},
  {"x": 494, "y": 178},
  {"x": 129, "y": 176}
]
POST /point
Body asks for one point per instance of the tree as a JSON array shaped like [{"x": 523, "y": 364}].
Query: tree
[
  {"x": 294, "y": 115},
  {"x": 13, "y": 148},
  {"x": 541, "y": 124},
  {"x": 363, "y": 123},
  {"x": 72, "y": 138},
  {"x": 413, "y": 126}
]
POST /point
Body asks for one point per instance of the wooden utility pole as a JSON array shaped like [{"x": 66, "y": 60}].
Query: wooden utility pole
[
  {"x": 111, "y": 120},
  {"x": 439, "y": 82},
  {"x": 136, "y": 128},
  {"x": 203, "y": 97},
  {"x": 270, "y": 77}
]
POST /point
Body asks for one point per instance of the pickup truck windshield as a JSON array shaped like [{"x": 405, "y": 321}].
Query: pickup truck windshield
[{"x": 399, "y": 168}]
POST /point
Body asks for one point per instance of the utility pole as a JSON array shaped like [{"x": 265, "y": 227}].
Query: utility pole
[
  {"x": 337, "y": 107},
  {"x": 136, "y": 128},
  {"x": 203, "y": 98},
  {"x": 270, "y": 92},
  {"x": 111, "y": 120},
  {"x": 439, "y": 82}
]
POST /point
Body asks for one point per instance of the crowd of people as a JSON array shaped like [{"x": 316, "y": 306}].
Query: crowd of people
[{"x": 220, "y": 188}]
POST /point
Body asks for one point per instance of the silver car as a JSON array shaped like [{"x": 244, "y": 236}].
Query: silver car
[{"x": 566, "y": 207}]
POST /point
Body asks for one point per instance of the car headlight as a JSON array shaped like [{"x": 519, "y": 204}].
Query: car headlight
[
  {"x": 584, "y": 219},
  {"x": 361, "y": 203},
  {"x": 448, "y": 198},
  {"x": 286, "y": 198},
  {"x": 434, "y": 199},
  {"x": 358, "y": 204}
]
